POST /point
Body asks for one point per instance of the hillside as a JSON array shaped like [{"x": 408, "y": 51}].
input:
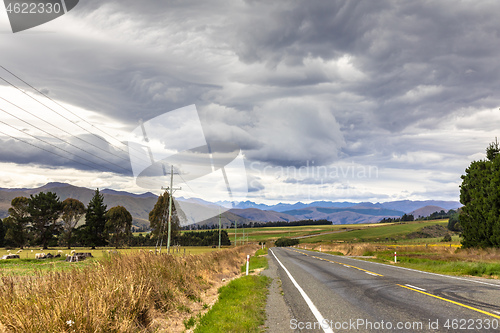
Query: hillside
[
  {"x": 255, "y": 214},
  {"x": 348, "y": 215},
  {"x": 426, "y": 211},
  {"x": 227, "y": 218}
]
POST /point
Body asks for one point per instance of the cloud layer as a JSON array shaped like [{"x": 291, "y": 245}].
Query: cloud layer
[{"x": 410, "y": 88}]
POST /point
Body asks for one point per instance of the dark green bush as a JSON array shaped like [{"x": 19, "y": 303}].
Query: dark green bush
[{"x": 284, "y": 242}]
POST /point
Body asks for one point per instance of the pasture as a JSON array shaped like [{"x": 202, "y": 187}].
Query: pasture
[
  {"x": 391, "y": 232},
  {"x": 28, "y": 265}
]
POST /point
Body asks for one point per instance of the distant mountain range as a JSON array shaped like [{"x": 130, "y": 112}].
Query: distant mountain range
[
  {"x": 406, "y": 206},
  {"x": 139, "y": 206}
]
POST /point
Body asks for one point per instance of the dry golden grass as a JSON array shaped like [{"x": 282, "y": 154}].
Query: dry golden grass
[
  {"x": 122, "y": 293},
  {"x": 436, "y": 252}
]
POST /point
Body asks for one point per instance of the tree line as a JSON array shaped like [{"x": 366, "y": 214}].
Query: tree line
[{"x": 44, "y": 220}]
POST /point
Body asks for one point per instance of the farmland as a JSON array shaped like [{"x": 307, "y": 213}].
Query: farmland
[{"x": 27, "y": 264}]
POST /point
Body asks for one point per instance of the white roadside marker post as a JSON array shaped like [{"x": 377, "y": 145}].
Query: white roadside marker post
[
  {"x": 248, "y": 262},
  {"x": 395, "y": 257}
]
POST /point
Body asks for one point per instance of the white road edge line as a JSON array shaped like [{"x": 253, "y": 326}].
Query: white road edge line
[
  {"x": 314, "y": 309},
  {"x": 416, "y": 270},
  {"x": 409, "y": 285},
  {"x": 371, "y": 273}
]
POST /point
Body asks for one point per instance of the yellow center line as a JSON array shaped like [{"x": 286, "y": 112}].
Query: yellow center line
[
  {"x": 340, "y": 263},
  {"x": 450, "y": 301},
  {"x": 406, "y": 287}
]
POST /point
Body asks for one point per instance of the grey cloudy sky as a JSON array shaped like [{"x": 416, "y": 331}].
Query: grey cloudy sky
[{"x": 329, "y": 100}]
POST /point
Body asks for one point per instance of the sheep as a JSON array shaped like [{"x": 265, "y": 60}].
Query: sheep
[{"x": 40, "y": 255}]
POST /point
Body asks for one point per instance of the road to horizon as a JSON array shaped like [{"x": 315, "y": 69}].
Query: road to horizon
[{"x": 328, "y": 293}]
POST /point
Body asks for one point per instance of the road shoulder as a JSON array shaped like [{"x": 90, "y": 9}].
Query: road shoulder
[{"x": 278, "y": 314}]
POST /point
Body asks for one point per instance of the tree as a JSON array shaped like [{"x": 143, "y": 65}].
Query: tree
[
  {"x": 454, "y": 223},
  {"x": 16, "y": 233},
  {"x": 158, "y": 218},
  {"x": 119, "y": 226},
  {"x": 2, "y": 234},
  {"x": 406, "y": 218},
  {"x": 492, "y": 150},
  {"x": 45, "y": 210},
  {"x": 285, "y": 242},
  {"x": 480, "y": 195},
  {"x": 94, "y": 231},
  {"x": 73, "y": 210}
]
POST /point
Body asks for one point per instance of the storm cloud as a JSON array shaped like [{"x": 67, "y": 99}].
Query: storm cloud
[{"x": 408, "y": 87}]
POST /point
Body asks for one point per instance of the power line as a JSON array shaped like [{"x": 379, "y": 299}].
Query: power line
[
  {"x": 58, "y": 138},
  {"x": 48, "y": 151},
  {"x": 60, "y": 129},
  {"x": 56, "y": 147},
  {"x": 82, "y": 119},
  {"x": 76, "y": 137}
]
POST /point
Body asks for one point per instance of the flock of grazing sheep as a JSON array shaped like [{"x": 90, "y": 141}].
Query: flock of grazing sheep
[{"x": 73, "y": 257}]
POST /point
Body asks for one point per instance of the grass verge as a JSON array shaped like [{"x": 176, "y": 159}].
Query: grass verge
[
  {"x": 257, "y": 261},
  {"x": 241, "y": 304},
  {"x": 434, "y": 258},
  {"x": 240, "y": 308},
  {"x": 481, "y": 269}
]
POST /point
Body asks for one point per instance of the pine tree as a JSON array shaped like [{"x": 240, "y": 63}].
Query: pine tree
[
  {"x": 44, "y": 210},
  {"x": 94, "y": 231}
]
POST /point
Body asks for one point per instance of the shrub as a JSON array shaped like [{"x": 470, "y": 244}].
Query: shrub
[
  {"x": 284, "y": 242},
  {"x": 446, "y": 238}
]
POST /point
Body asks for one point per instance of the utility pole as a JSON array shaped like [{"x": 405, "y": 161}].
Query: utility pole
[
  {"x": 172, "y": 189},
  {"x": 235, "y": 229},
  {"x": 219, "y": 228}
]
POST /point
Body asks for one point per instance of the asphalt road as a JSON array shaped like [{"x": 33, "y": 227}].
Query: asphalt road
[{"x": 327, "y": 293}]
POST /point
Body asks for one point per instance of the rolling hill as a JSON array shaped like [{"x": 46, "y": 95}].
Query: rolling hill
[{"x": 139, "y": 206}]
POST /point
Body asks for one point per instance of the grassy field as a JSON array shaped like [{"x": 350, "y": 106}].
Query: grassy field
[
  {"x": 273, "y": 233},
  {"x": 444, "y": 258},
  {"x": 28, "y": 265},
  {"x": 389, "y": 232},
  {"x": 384, "y": 233}
]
